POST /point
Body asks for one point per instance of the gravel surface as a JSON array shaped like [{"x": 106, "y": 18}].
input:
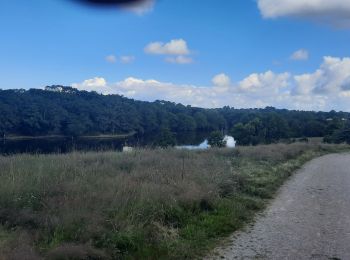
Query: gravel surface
[{"x": 309, "y": 219}]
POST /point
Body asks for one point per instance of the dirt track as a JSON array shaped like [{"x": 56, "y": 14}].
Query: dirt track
[{"x": 309, "y": 219}]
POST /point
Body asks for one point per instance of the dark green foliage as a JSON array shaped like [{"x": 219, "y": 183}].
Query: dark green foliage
[
  {"x": 339, "y": 136},
  {"x": 264, "y": 129},
  {"x": 59, "y": 110},
  {"x": 216, "y": 139},
  {"x": 166, "y": 139}
]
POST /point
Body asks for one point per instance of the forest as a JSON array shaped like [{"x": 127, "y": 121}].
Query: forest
[{"x": 60, "y": 110}]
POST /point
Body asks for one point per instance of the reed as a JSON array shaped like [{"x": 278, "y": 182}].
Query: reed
[{"x": 149, "y": 204}]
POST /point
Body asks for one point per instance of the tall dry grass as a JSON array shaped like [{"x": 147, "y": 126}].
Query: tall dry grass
[{"x": 145, "y": 204}]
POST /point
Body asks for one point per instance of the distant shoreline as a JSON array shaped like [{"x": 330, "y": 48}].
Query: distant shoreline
[{"x": 20, "y": 138}]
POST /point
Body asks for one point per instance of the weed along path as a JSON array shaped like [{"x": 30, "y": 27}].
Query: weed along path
[{"x": 309, "y": 219}]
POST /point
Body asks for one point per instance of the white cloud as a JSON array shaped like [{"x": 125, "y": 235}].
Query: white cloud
[
  {"x": 122, "y": 59},
  {"x": 326, "y": 88},
  {"x": 174, "y": 47},
  {"x": 335, "y": 12},
  {"x": 221, "y": 80},
  {"x": 332, "y": 77},
  {"x": 179, "y": 59},
  {"x": 111, "y": 58},
  {"x": 265, "y": 83},
  {"x": 96, "y": 84},
  {"x": 177, "y": 51},
  {"x": 300, "y": 55},
  {"x": 306, "y": 82},
  {"x": 127, "y": 59},
  {"x": 142, "y": 8}
]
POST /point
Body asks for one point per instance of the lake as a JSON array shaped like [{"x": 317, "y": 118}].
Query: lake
[{"x": 66, "y": 145}]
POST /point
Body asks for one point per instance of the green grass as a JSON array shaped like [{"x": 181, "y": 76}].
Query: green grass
[
  {"x": 4, "y": 236},
  {"x": 148, "y": 204}
]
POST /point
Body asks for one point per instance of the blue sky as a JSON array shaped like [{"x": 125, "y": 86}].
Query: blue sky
[{"x": 242, "y": 53}]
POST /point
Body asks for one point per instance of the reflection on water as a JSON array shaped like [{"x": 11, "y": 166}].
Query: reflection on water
[
  {"x": 66, "y": 145},
  {"x": 62, "y": 145}
]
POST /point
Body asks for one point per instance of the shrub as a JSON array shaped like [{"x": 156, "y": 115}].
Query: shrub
[{"x": 216, "y": 139}]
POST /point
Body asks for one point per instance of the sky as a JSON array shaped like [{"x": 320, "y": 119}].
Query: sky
[{"x": 290, "y": 54}]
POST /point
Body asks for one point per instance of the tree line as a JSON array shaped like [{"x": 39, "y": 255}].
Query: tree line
[{"x": 60, "y": 110}]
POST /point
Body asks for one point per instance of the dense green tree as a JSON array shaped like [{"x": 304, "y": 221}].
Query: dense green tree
[
  {"x": 66, "y": 111},
  {"x": 216, "y": 139},
  {"x": 242, "y": 133},
  {"x": 201, "y": 120},
  {"x": 185, "y": 123},
  {"x": 340, "y": 136},
  {"x": 314, "y": 129},
  {"x": 166, "y": 139}
]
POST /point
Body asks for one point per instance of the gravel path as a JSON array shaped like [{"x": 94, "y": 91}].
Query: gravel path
[{"x": 309, "y": 219}]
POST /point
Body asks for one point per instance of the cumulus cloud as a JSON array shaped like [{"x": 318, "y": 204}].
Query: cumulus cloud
[
  {"x": 177, "y": 51},
  {"x": 326, "y": 88},
  {"x": 262, "y": 82},
  {"x": 332, "y": 77},
  {"x": 174, "y": 47},
  {"x": 94, "y": 84},
  {"x": 300, "y": 55},
  {"x": 305, "y": 83},
  {"x": 221, "y": 80},
  {"x": 335, "y": 12}
]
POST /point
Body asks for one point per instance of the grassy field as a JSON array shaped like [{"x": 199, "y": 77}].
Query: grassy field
[{"x": 148, "y": 204}]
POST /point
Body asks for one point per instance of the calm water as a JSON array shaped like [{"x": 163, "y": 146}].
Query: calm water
[{"x": 65, "y": 145}]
